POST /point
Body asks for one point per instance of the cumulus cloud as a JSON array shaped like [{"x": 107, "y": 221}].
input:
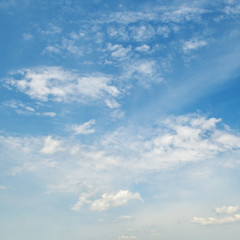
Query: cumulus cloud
[
  {"x": 2, "y": 187},
  {"x": 178, "y": 140},
  {"x": 121, "y": 156},
  {"x": 107, "y": 200},
  {"x": 57, "y": 84},
  {"x": 227, "y": 210},
  {"x": 51, "y": 146},
  {"x": 229, "y": 216},
  {"x": 84, "y": 128}
]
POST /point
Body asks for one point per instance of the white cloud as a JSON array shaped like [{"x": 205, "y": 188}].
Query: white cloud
[
  {"x": 143, "y": 48},
  {"x": 2, "y": 187},
  {"x": 27, "y": 36},
  {"x": 163, "y": 31},
  {"x": 143, "y": 68},
  {"x": 115, "y": 160},
  {"x": 84, "y": 128},
  {"x": 145, "y": 71},
  {"x": 227, "y": 210},
  {"x": 232, "y": 9},
  {"x": 107, "y": 200},
  {"x": 182, "y": 14},
  {"x": 129, "y": 17},
  {"x": 216, "y": 221},
  {"x": 119, "y": 33},
  {"x": 142, "y": 33},
  {"x": 49, "y": 114},
  {"x": 52, "y": 49},
  {"x": 127, "y": 237},
  {"x": 178, "y": 140},
  {"x": 118, "y": 51},
  {"x": 24, "y": 109},
  {"x": 20, "y": 107},
  {"x": 111, "y": 103},
  {"x": 124, "y": 218},
  {"x": 229, "y": 216},
  {"x": 55, "y": 83},
  {"x": 193, "y": 44},
  {"x": 51, "y": 30},
  {"x": 51, "y": 146}
]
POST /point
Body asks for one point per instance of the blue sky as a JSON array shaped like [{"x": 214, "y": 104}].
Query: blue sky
[{"x": 119, "y": 119}]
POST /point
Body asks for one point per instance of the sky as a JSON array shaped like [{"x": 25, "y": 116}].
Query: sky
[{"x": 119, "y": 119}]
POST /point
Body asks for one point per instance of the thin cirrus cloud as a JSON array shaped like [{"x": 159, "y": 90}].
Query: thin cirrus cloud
[
  {"x": 57, "y": 84},
  {"x": 27, "y": 110}
]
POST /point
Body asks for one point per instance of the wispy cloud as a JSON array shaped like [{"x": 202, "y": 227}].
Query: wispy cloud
[
  {"x": 127, "y": 237},
  {"x": 27, "y": 110},
  {"x": 85, "y": 128}
]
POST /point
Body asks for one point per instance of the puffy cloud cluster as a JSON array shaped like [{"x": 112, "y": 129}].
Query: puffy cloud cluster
[
  {"x": 228, "y": 215},
  {"x": 55, "y": 83},
  {"x": 118, "y": 157},
  {"x": 107, "y": 201}
]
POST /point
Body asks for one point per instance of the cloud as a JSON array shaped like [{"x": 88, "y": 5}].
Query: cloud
[
  {"x": 127, "y": 237},
  {"x": 142, "y": 33},
  {"x": 107, "y": 200},
  {"x": 182, "y": 14},
  {"x": 227, "y": 210},
  {"x": 84, "y": 128},
  {"x": 27, "y": 110},
  {"x": 216, "y": 221},
  {"x": 124, "y": 218},
  {"x": 193, "y": 44},
  {"x": 143, "y": 48},
  {"x": 48, "y": 114},
  {"x": 2, "y": 187},
  {"x": 51, "y": 30},
  {"x": 57, "y": 84},
  {"x": 178, "y": 140},
  {"x": 51, "y": 146},
  {"x": 27, "y": 36},
  {"x": 118, "y": 51},
  {"x": 127, "y": 17},
  {"x": 163, "y": 31},
  {"x": 229, "y": 216},
  {"x": 116, "y": 159},
  {"x": 145, "y": 71}
]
